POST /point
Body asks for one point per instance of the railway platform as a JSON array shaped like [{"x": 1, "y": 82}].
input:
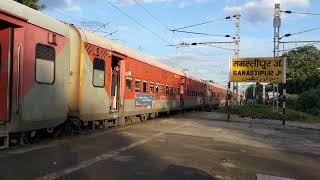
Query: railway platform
[{"x": 195, "y": 145}]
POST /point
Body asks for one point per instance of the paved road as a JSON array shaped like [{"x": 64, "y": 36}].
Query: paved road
[{"x": 193, "y": 146}]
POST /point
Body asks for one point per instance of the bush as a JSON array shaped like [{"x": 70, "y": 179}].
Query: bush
[
  {"x": 292, "y": 101},
  {"x": 265, "y": 112},
  {"x": 309, "y": 101}
]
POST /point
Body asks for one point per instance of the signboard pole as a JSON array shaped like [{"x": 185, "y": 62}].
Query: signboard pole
[
  {"x": 228, "y": 89},
  {"x": 284, "y": 90},
  {"x": 228, "y": 99}
]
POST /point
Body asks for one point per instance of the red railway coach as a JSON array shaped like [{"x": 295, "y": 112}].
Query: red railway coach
[
  {"x": 34, "y": 70},
  {"x": 52, "y": 72},
  {"x": 219, "y": 96}
]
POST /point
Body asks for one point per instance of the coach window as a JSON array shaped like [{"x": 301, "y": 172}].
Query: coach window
[
  {"x": 167, "y": 89},
  {"x": 129, "y": 84},
  {"x": 98, "y": 73},
  {"x": 151, "y": 87},
  {"x": 162, "y": 89},
  {"x": 157, "y": 87},
  {"x": 145, "y": 86},
  {"x": 45, "y": 64},
  {"x": 137, "y": 85},
  {"x": 171, "y": 90}
]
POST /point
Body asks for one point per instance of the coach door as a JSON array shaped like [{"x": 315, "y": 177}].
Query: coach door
[
  {"x": 117, "y": 82},
  {"x": 6, "y": 53}
]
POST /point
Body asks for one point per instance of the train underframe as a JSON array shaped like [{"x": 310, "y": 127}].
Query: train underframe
[{"x": 74, "y": 125}]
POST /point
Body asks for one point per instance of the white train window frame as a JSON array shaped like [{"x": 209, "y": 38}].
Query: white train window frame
[
  {"x": 99, "y": 73},
  {"x": 45, "y": 64}
]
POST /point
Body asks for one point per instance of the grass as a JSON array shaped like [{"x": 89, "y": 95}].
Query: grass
[{"x": 265, "y": 112}]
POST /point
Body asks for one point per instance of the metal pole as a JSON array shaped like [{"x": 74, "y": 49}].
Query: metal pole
[
  {"x": 254, "y": 93},
  {"x": 228, "y": 99},
  {"x": 237, "y": 51},
  {"x": 277, "y": 99},
  {"x": 284, "y": 91},
  {"x": 276, "y": 25},
  {"x": 273, "y": 102},
  {"x": 263, "y": 93}
]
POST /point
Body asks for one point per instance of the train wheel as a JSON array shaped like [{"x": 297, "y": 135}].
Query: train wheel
[
  {"x": 31, "y": 137},
  {"x": 51, "y": 132},
  {"x": 143, "y": 117}
]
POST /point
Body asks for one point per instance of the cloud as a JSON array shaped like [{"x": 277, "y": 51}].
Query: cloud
[
  {"x": 66, "y": 5},
  {"x": 184, "y": 4},
  {"x": 181, "y": 3},
  {"x": 260, "y": 11},
  {"x": 205, "y": 67},
  {"x": 142, "y": 1}
]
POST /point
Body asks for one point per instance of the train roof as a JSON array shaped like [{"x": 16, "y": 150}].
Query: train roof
[
  {"x": 100, "y": 41},
  {"x": 34, "y": 17},
  {"x": 39, "y": 19}
]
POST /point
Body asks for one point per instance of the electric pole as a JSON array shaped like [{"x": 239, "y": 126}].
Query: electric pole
[
  {"x": 237, "y": 51},
  {"x": 276, "y": 50}
]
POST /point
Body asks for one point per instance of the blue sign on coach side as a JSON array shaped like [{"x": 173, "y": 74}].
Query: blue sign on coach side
[{"x": 144, "y": 100}]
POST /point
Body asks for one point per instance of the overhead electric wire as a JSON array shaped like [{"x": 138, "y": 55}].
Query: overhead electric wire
[
  {"x": 198, "y": 33},
  {"x": 285, "y": 50},
  {"x": 302, "y": 13},
  {"x": 221, "y": 47},
  {"x": 60, "y": 11},
  {"x": 113, "y": 32},
  {"x": 154, "y": 17},
  {"x": 137, "y": 22},
  {"x": 104, "y": 25},
  {"x": 292, "y": 42},
  {"x": 200, "y": 24},
  {"x": 301, "y": 32},
  {"x": 201, "y": 43},
  {"x": 216, "y": 42}
]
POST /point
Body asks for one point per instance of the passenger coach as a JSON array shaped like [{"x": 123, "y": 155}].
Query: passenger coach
[{"x": 52, "y": 72}]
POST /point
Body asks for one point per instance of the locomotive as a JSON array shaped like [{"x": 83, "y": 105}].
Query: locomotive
[{"x": 52, "y": 72}]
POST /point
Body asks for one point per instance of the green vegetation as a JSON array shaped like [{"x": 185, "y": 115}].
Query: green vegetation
[
  {"x": 308, "y": 102},
  {"x": 35, "y": 4},
  {"x": 265, "y": 112},
  {"x": 303, "y": 87},
  {"x": 302, "y": 69}
]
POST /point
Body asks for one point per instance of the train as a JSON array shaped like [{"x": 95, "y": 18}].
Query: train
[{"x": 53, "y": 72}]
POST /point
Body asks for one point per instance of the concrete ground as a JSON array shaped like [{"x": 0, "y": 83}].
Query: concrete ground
[{"x": 192, "y": 146}]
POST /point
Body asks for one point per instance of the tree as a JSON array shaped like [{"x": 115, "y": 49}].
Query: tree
[
  {"x": 258, "y": 89},
  {"x": 35, "y": 4},
  {"x": 302, "y": 69}
]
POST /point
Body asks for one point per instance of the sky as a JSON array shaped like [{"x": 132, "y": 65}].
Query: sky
[{"x": 145, "y": 28}]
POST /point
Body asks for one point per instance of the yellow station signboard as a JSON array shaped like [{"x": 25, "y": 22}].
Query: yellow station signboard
[{"x": 270, "y": 70}]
